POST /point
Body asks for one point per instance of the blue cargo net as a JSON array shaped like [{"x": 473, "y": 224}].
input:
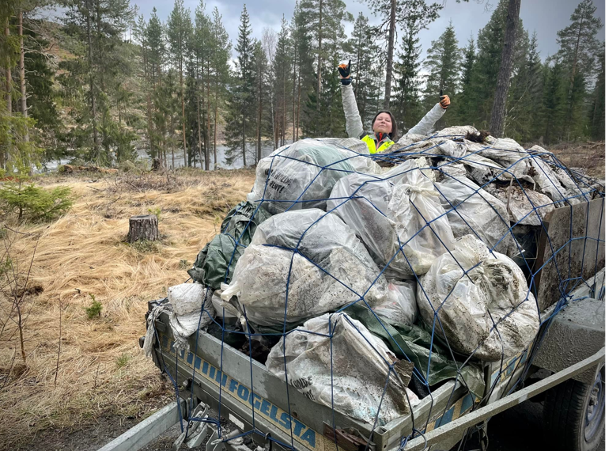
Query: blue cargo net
[{"x": 376, "y": 284}]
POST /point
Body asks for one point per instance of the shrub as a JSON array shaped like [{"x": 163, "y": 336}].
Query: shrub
[
  {"x": 35, "y": 203},
  {"x": 155, "y": 211},
  {"x": 95, "y": 308},
  {"x": 145, "y": 246},
  {"x": 122, "y": 360}
]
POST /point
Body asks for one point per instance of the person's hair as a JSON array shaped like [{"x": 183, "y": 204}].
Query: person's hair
[{"x": 394, "y": 124}]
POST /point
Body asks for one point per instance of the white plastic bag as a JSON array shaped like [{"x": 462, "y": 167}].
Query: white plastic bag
[
  {"x": 472, "y": 210},
  {"x": 352, "y": 371},
  {"x": 394, "y": 211},
  {"x": 187, "y": 297},
  {"x": 330, "y": 269},
  {"x": 300, "y": 176},
  {"x": 401, "y": 308},
  {"x": 509, "y": 154},
  {"x": 470, "y": 292},
  {"x": 525, "y": 207}
]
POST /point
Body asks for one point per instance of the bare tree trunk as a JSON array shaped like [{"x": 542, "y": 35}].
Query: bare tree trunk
[
  {"x": 283, "y": 105},
  {"x": 215, "y": 131},
  {"x": 205, "y": 157},
  {"x": 22, "y": 70},
  {"x": 320, "y": 57},
  {"x": 183, "y": 111},
  {"x": 244, "y": 139},
  {"x": 298, "y": 105},
  {"x": 4, "y": 153},
  {"x": 390, "y": 46},
  {"x": 91, "y": 80},
  {"x": 259, "y": 115},
  {"x": 9, "y": 80},
  {"x": 497, "y": 119},
  {"x": 208, "y": 109},
  {"x": 294, "y": 92}
]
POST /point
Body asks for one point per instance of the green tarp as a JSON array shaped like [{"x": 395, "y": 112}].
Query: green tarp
[
  {"x": 221, "y": 253},
  {"x": 414, "y": 341}
]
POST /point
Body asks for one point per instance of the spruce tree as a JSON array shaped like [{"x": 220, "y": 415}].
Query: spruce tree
[
  {"x": 554, "y": 105},
  {"x": 524, "y": 103},
  {"x": 442, "y": 62},
  {"x": 241, "y": 120},
  {"x": 466, "y": 99},
  {"x": 102, "y": 62},
  {"x": 408, "y": 107}
]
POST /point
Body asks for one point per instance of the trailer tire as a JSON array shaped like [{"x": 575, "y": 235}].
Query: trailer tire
[{"x": 574, "y": 414}]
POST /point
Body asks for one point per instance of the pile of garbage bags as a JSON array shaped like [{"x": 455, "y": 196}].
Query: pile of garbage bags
[{"x": 377, "y": 278}]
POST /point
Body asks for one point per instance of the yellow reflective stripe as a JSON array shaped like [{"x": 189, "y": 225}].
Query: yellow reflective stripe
[
  {"x": 370, "y": 142},
  {"x": 385, "y": 145},
  {"x": 372, "y": 147}
]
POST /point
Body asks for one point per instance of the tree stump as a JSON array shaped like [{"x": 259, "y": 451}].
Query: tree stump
[{"x": 143, "y": 227}]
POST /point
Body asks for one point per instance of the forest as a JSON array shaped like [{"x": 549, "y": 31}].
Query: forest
[{"x": 103, "y": 85}]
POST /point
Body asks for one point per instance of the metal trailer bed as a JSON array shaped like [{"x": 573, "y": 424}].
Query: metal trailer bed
[{"x": 222, "y": 377}]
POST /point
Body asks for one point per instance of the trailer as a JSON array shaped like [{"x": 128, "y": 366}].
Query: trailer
[{"x": 564, "y": 365}]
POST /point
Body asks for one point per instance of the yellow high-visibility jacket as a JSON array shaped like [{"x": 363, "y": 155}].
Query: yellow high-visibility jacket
[{"x": 355, "y": 129}]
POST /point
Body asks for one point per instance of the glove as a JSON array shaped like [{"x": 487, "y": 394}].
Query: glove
[
  {"x": 444, "y": 100},
  {"x": 344, "y": 72}
]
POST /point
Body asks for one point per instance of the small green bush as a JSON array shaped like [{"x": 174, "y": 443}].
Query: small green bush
[
  {"x": 35, "y": 203},
  {"x": 155, "y": 211},
  {"x": 146, "y": 246},
  {"x": 122, "y": 360},
  {"x": 95, "y": 308}
]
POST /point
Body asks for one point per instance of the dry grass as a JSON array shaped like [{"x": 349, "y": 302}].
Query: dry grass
[
  {"x": 101, "y": 369},
  {"x": 588, "y": 156}
]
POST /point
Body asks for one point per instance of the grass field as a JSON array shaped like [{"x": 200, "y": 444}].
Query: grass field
[
  {"x": 85, "y": 380},
  {"x": 99, "y": 374}
]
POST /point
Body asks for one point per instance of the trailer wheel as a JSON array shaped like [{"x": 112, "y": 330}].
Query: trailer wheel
[{"x": 574, "y": 414}]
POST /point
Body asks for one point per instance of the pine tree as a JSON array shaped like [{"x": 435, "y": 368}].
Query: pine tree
[
  {"x": 596, "y": 113},
  {"x": 486, "y": 67},
  {"x": 324, "y": 24},
  {"x": 282, "y": 78},
  {"x": 578, "y": 47},
  {"x": 405, "y": 13},
  {"x": 443, "y": 62},
  {"x": 302, "y": 40},
  {"x": 201, "y": 50},
  {"x": 179, "y": 30},
  {"x": 261, "y": 94},
  {"x": 220, "y": 71},
  {"x": 365, "y": 66},
  {"x": 101, "y": 64}
]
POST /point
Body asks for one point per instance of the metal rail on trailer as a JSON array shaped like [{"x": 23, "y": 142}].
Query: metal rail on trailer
[{"x": 222, "y": 377}]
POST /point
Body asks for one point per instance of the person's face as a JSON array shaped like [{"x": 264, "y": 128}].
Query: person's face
[{"x": 382, "y": 123}]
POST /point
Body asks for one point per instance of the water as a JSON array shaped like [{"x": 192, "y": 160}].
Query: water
[{"x": 266, "y": 149}]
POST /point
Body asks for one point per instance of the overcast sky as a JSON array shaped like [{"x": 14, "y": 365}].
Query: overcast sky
[{"x": 545, "y": 17}]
